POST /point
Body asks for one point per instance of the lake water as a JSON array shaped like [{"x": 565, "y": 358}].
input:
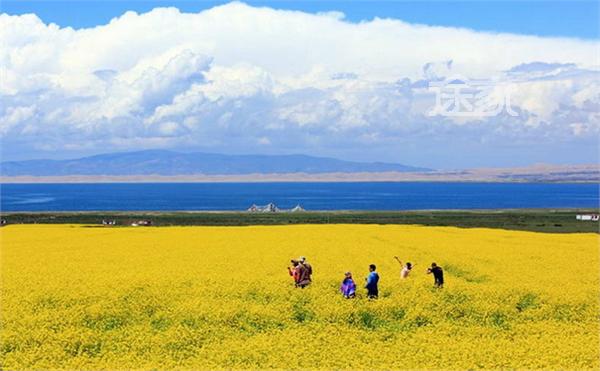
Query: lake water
[{"x": 311, "y": 196}]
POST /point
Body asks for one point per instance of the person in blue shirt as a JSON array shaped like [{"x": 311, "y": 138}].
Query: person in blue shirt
[{"x": 372, "y": 280}]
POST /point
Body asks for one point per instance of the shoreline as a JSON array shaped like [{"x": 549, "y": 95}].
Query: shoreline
[
  {"x": 204, "y": 181},
  {"x": 284, "y": 212},
  {"x": 588, "y": 173},
  {"x": 535, "y": 220}
]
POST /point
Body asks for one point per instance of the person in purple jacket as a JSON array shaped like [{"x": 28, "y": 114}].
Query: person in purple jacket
[{"x": 348, "y": 287}]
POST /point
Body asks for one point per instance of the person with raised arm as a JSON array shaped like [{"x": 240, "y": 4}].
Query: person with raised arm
[{"x": 405, "y": 269}]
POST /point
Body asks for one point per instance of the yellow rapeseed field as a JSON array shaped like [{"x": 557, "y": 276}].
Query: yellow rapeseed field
[{"x": 77, "y": 297}]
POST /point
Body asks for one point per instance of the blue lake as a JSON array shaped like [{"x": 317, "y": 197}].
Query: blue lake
[{"x": 311, "y": 196}]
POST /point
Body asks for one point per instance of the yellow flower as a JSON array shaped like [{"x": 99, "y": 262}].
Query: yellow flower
[{"x": 75, "y": 297}]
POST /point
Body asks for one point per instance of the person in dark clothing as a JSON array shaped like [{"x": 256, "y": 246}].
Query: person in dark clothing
[
  {"x": 438, "y": 275},
  {"x": 307, "y": 266},
  {"x": 372, "y": 281},
  {"x": 303, "y": 276}
]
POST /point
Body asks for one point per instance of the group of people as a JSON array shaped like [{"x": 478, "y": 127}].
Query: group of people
[
  {"x": 348, "y": 287},
  {"x": 301, "y": 271}
]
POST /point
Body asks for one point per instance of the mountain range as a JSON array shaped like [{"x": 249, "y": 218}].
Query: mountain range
[{"x": 170, "y": 163}]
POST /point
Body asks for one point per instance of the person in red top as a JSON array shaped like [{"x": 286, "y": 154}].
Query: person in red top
[
  {"x": 295, "y": 271},
  {"x": 300, "y": 274}
]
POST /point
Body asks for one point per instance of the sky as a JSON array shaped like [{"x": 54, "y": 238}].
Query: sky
[{"x": 445, "y": 85}]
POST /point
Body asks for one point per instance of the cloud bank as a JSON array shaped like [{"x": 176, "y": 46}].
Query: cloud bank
[{"x": 242, "y": 79}]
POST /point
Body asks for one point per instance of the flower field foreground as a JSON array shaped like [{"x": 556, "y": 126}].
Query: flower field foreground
[{"x": 77, "y": 297}]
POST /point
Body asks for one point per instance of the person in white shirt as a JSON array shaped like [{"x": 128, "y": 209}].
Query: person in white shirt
[{"x": 405, "y": 269}]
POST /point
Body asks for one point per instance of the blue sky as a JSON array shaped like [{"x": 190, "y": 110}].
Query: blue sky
[
  {"x": 328, "y": 79},
  {"x": 543, "y": 18}
]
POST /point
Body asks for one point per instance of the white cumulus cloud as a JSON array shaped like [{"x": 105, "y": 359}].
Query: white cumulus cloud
[{"x": 237, "y": 78}]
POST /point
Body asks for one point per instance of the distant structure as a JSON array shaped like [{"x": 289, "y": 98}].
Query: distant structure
[
  {"x": 142, "y": 223},
  {"x": 588, "y": 217},
  {"x": 268, "y": 208},
  {"x": 109, "y": 222},
  {"x": 272, "y": 208},
  {"x": 2, "y": 222},
  {"x": 297, "y": 209}
]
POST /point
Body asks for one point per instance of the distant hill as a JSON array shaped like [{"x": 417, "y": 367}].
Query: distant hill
[{"x": 161, "y": 162}]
